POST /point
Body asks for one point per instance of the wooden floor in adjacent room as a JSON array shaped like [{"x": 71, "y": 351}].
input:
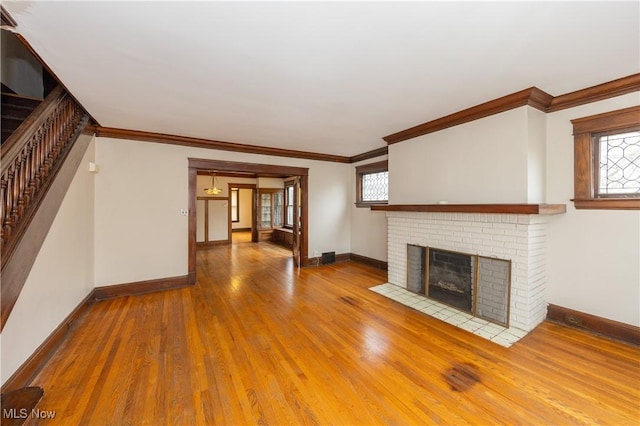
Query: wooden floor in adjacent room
[{"x": 260, "y": 342}]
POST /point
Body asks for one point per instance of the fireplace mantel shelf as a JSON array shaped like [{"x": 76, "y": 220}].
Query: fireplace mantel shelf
[{"x": 541, "y": 209}]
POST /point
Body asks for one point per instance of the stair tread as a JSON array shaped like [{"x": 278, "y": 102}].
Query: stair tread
[
  {"x": 11, "y": 118},
  {"x": 16, "y": 114},
  {"x": 18, "y": 106},
  {"x": 14, "y": 110},
  {"x": 20, "y": 100}
]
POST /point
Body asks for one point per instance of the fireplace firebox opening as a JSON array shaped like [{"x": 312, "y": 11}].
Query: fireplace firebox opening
[
  {"x": 451, "y": 278},
  {"x": 477, "y": 285}
]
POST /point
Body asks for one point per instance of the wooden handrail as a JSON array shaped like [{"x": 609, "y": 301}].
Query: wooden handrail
[
  {"x": 30, "y": 159},
  {"x": 14, "y": 143},
  {"x": 38, "y": 163}
]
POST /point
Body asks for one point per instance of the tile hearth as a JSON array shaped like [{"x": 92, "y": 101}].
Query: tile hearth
[{"x": 495, "y": 333}]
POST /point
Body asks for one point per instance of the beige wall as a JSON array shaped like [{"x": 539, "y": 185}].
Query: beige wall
[
  {"x": 484, "y": 161},
  {"x": 265, "y": 182},
  {"x": 20, "y": 70},
  {"x": 244, "y": 218},
  {"x": 368, "y": 228},
  {"x": 61, "y": 277},
  {"x": 141, "y": 188},
  {"x": 594, "y": 255},
  {"x": 139, "y": 231},
  {"x": 536, "y": 155}
]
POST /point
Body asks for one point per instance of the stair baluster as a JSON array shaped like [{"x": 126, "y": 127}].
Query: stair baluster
[{"x": 29, "y": 157}]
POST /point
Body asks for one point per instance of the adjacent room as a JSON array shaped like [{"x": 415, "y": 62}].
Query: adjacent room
[{"x": 230, "y": 212}]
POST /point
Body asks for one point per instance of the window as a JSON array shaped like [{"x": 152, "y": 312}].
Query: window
[
  {"x": 277, "y": 208},
  {"x": 270, "y": 208},
  {"x": 235, "y": 205},
  {"x": 372, "y": 184},
  {"x": 617, "y": 166},
  {"x": 266, "y": 213},
  {"x": 607, "y": 160},
  {"x": 288, "y": 202}
]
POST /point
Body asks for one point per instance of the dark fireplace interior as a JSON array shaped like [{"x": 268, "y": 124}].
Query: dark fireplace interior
[{"x": 450, "y": 279}]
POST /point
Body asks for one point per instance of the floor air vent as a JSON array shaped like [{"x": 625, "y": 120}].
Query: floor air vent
[{"x": 329, "y": 257}]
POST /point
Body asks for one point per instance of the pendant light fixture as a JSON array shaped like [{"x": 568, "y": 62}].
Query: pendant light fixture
[{"x": 213, "y": 190}]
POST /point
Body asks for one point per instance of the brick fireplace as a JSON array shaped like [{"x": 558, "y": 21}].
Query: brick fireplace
[{"x": 516, "y": 234}]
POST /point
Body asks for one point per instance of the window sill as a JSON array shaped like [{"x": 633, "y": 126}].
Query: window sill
[
  {"x": 369, "y": 204},
  {"x": 608, "y": 204},
  {"x": 284, "y": 229}
]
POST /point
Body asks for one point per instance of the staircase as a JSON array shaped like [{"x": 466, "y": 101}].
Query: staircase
[
  {"x": 37, "y": 163},
  {"x": 15, "y": 109}
]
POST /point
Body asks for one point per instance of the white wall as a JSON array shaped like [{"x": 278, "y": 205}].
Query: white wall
[
  {"x": 265, "y": 182},
  {"x": 141, "y": 187},
  {"x": 20, "y": 70},
  {"x": 536, "y": 155},
  {"x": 484, "y": 161},
  {"x": 61, "y": 277},
  {"x": 139, "y": 232},
  {"x": 219, "y": 220},
  {"x": 594, "y": 255},
  {"x": 329, "y": 214},
  {"x": 368, "y": 228}
]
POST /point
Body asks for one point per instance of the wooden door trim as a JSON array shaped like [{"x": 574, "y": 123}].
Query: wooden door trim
[
  {"x": 297, "y": 200},
  {"x": 207, "y": 242},
  {"x": 206, "y": 222},
  {"x": 243, "y": 185},
  {"x": 229, "y": 220},
  {"x": 252, "y": 187},
  {"x": 200, "y": 164}
]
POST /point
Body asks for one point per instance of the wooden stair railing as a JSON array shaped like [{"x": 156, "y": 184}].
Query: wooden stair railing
[
  {"x": 30, "y": 161},
  {"x": 15, "y": 109}
]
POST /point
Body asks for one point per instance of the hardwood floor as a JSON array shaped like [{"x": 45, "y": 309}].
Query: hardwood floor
[
  {"x": 240, "y": 237},
  {"x": 259, "y": 342}
]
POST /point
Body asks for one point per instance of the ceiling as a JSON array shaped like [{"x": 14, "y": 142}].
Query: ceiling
[{"x": 327, "y": 77}]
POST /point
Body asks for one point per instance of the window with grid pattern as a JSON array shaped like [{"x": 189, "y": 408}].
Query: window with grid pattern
[
  {"x": 618, "y": 164},
  {"x": 372, "y": 184},
  {"x": 607, "y": 160},
  {"x": 375, "y": 186}
]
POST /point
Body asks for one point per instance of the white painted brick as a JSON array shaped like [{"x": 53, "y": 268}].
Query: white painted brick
[
  {"x": 506, "y": 238},
  {"x": 488, "y": 230},
  {"x": 520, "y": 238},
  {"x": 524, "y": 219},
  {"x": 503, "y": 225}
]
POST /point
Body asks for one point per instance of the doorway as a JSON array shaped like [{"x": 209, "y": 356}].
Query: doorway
[
  {"x": 301, "y": 174},
  {"x": 242, "y": 211}
]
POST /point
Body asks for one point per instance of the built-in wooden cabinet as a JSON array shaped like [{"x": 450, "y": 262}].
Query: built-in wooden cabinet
[
  {"x": 283, "y": 236},
  {"x": 270, "y": 212}
]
